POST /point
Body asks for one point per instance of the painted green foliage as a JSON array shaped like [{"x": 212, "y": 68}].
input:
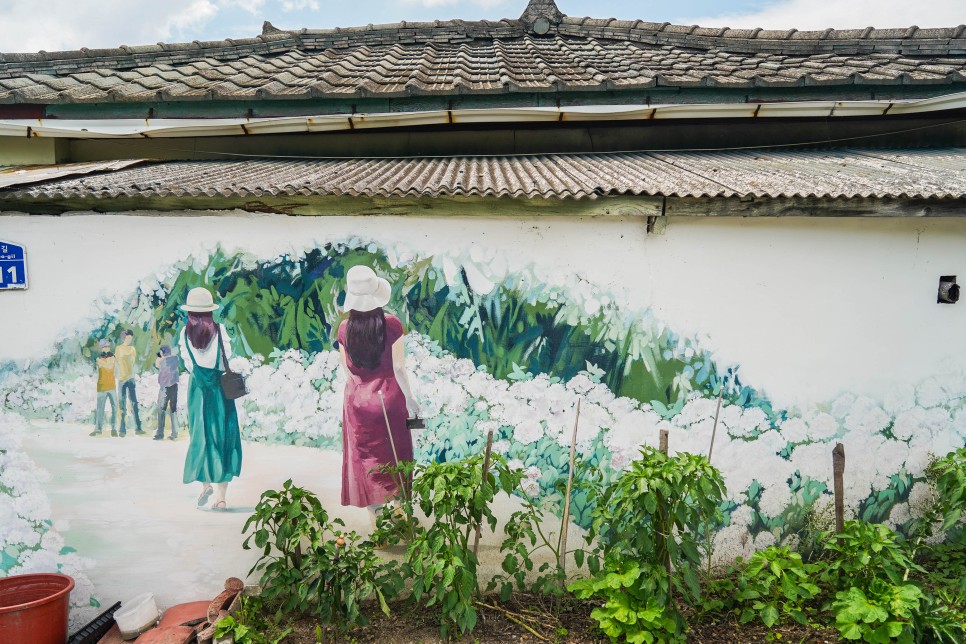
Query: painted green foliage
[{"x": 291, "y": 303}]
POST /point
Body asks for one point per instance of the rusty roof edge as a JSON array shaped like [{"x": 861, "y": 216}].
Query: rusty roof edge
[{"x": 27, "y": 175}]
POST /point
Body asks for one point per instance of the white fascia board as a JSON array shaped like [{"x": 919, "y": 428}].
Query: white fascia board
[{"x": 170, "y": 128}]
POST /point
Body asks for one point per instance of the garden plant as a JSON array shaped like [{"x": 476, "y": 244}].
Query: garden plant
[
  {"x": 310, "y": 563},
  {"x": 644, "y": 556}
]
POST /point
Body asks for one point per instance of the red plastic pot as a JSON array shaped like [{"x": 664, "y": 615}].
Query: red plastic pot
[{"x": 33, "y": 609}]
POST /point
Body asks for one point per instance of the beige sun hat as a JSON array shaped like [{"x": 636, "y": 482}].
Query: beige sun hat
[
  {"x": 364, "y": 290},
  {"x": 199, "y": 301}
]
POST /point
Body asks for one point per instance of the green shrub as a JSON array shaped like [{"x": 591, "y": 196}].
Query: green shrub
[
  {"x": 647, "y": 523},
  {"x": 864, "y": 553},
  {"x": 637, "y": 603},
  {"x": 525, "y": 535},
  {"x": 455, "y": 497},
  {"x": 774, "y": 583},
  {"x": 311, "y": 563},
  {"x": 880, "y": 614},
  {"x": 948, "y": 476},
  {"x": 285, "y": 522},
  {"x": 248, "y": 626},
  {"x": 941, "y": 618}
]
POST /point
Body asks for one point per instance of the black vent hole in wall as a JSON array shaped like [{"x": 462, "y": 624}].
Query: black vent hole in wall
[{"x": 948, "y": 290}]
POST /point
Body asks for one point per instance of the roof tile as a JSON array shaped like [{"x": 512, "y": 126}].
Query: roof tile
[
  {"x": 453, "y": 57},
  {"x": 841, "y": 173}
]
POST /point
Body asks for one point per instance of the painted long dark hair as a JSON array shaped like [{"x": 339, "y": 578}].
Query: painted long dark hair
[
  {"x": 365, "y": 337},
  {"x": 201, "y": 329}
]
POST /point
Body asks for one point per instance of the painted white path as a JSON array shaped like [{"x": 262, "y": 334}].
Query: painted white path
[{"x": 127, "y": 509}]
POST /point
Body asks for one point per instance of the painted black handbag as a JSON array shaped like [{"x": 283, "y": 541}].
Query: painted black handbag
[{"x": 232, "y": 383}]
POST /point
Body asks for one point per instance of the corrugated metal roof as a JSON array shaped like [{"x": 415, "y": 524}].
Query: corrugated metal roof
[
  {"x": 20, "y": 175},
  {"x": 485, "y": 57},
  {"x": 925, "y": 174}
]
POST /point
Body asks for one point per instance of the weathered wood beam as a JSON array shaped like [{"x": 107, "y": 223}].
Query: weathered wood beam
[
  {"x": 654, "y": 210},
  {"x": 341, "y": 206},
  {"x": 813, "y": 207}
]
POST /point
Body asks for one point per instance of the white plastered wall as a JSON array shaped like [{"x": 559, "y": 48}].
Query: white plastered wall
[{"x": 807, "y": 307}]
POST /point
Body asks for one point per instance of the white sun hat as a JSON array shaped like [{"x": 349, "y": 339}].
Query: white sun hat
[
  {"x": 199, "y": 301},
  {"x": 364, "y": 290}
]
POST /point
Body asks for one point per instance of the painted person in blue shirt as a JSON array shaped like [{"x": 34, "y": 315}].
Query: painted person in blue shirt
[{"x": 167, "y": 364}]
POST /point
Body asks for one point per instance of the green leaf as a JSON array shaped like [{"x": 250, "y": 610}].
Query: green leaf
[
  {"x": 851, "y": 632},
  {"x": 769, "y": 615}
]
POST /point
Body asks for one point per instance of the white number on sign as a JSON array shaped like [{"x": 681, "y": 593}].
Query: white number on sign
[{"x": 13, "y": 275}]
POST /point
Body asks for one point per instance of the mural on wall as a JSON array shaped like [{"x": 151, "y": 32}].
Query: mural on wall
[{"x": 487, "y": 349}]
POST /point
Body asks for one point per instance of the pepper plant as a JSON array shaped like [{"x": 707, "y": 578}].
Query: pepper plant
[
  {"x": 775, "y": 583},
  {"x": 526, "y": 533},
  {"x": 652, "y": 515},
  {"x": 456, "y": 497},
  {"x": 311, "y": 563},
  {"x": 285, "y": 522},
  {"x": 864, "y": 552}
]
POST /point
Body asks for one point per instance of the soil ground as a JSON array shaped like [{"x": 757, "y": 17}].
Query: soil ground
[
  {"x": 500, "y": 623},
  {"x": 503, "y": 623}
]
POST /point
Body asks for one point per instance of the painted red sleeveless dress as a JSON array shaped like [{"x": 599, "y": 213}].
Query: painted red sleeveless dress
[{"x": 365, "y": 440}]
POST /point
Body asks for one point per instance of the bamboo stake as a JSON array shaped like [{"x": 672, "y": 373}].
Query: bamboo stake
[
  {"x": 717, "y": 414},
  {"x": 565, "y": 520},
  {"x": 486, "y": 468},
  {"x": 515, "y": 619},
  {"x": 665, "y": 532},
  {"x": 714, "y": 432}
]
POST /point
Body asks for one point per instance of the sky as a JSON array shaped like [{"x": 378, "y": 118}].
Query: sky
[{"x": 26, "y": 25}]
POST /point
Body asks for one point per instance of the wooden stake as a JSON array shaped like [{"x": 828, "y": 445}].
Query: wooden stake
[
  {"x": 486, "y": 468},
  {"x": 664, "y": 531},
  {"x": 565, "y": 520},
  {"x": 714, "y": 429},
  {"x": 838, "y": 471}
]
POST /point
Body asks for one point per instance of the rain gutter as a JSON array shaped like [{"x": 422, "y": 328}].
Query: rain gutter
[{"x": 198, "y": 127}]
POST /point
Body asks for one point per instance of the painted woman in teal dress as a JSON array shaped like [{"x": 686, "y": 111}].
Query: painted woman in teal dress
[{"x": 214, "y": 452}]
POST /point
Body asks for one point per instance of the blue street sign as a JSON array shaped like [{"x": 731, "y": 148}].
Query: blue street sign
[{"x": 13, "y": 266}]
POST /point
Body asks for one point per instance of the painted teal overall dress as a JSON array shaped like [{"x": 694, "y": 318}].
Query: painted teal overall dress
[{"x": 214, "y": 452}]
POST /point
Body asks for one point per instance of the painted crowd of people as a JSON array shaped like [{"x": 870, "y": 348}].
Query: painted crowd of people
[
  {"x": 377, "y": 406},
  {"x": 116, "y": 376}
]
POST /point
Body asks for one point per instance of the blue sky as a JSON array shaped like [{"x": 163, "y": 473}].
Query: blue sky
[{"x": 71, "y": 24}]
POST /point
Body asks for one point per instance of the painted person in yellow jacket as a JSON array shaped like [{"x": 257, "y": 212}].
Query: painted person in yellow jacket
[
  {"x": 106, "y": 388},
  {"x": 126, "y": 361}
]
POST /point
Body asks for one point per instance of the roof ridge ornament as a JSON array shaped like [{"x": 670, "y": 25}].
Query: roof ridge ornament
[
  {"x": 269, "y": 28},
  {"x": 540, "y": 16}
]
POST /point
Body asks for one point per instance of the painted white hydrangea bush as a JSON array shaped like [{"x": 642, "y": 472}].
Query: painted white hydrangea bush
[
  {"x": 774, "y": 470},
  {"x": 30, "y": 542}
]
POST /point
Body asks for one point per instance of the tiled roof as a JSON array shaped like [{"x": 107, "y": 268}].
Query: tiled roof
[
  {"x": 913, "y": 174},
  {"x": 13, "y": 175},
  {"x": 556, "y": 54}
]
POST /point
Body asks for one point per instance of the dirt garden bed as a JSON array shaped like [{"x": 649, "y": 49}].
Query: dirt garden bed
[{"x": 500, "y": 624}]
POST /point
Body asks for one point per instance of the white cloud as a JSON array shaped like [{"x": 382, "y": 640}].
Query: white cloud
[
  {"x": 486, "y": 4},
  {"x": 298, "y": 5},
  {"x": 853, "y": 14},
  {"x": 72, "y": 24}
]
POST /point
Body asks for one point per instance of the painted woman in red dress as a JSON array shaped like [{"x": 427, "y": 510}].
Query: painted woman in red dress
[{"x": 373, "y": 355}]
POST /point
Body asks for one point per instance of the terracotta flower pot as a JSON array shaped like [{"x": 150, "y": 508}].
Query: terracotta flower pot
[{"x": 33, "y": 608}]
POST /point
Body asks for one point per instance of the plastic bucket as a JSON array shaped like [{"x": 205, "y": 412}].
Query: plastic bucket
[
  {"x": 33, "y": 608},
  {"x": 137, "y": 616}
]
